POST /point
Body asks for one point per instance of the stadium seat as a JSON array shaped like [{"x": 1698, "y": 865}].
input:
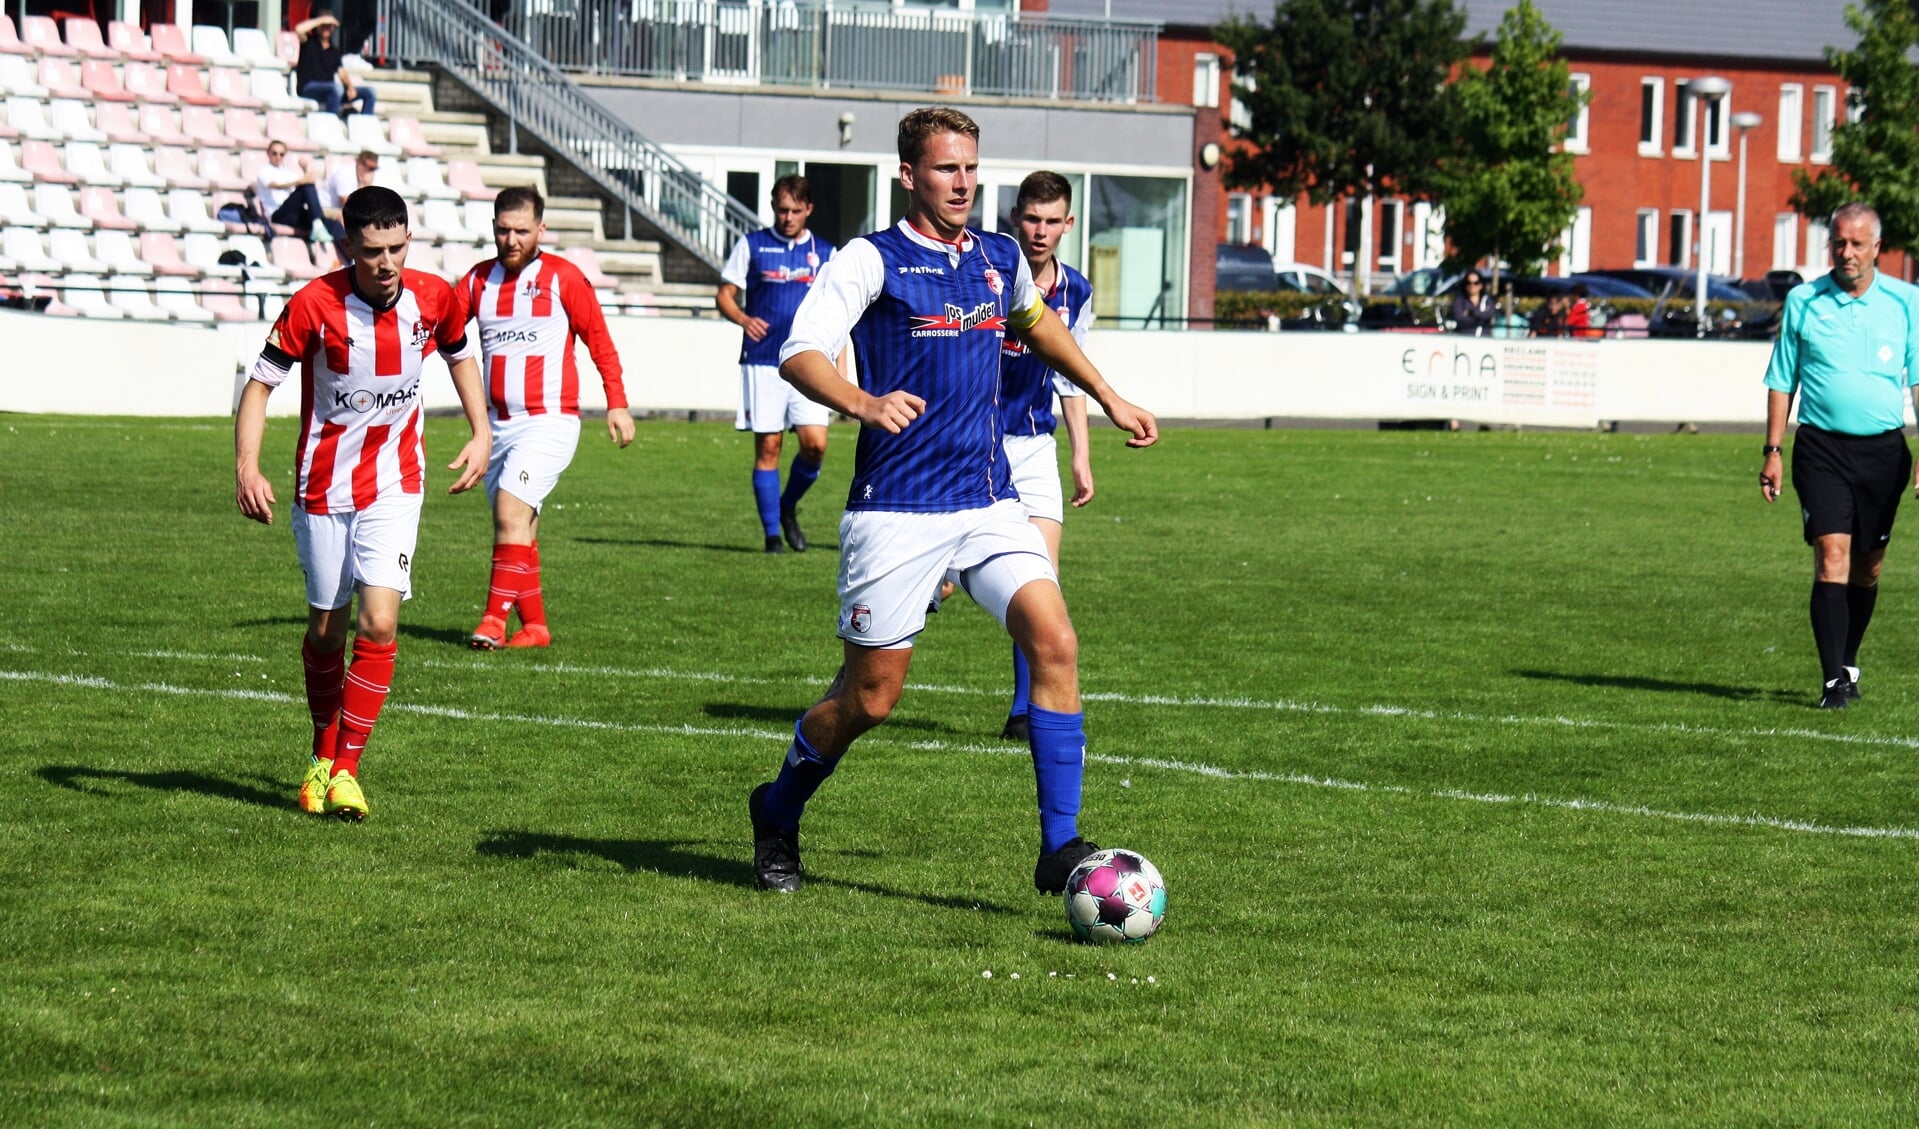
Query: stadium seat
[
  {"x": 115, "y": 119},
  {"x": 88, "y": 161},
  {"x": 641, "y": 305},
  {"x": 10, "y": 170},
  {"x": 175, "y": 296},
  {"x": 43, "y": 35},
  {"x": 231, "y": 88},
  {"x": 11, "y": 44},
  {"x": 8, "y": 132},
  {"x": 162, "y": 252},
  {"x": 260, "y": 262},
  {"x": 442, "y": 219},
  {"x": 148, "y": 83},
  {"x": 287, "y": 46},
  {"x": 16, "y": 211},
  {"x": 131, "y": 42},
  {"x": 478, "y": 216},
  {"x": 129, "y": 163},
  {"x": 163, "y": 125},
  {"x": 368, "y": 132},
  {"x": 130, "y": 296},
  {"x": 290, "y": 255},
  {"x": 589, "y": 263},
  {"x": 272, "y": 88},
  {"x": 116, "y": 249},
  {"x": 411, "y": 138},
  {"x": 251, "y": 162},
  {"x": 42, "y": 160},
  {"x": 19, "y": 76},
  {"x": 221, "y": 171},
  {"x": 327, "y": 132},
  {"x": 212, "y": 43},
  {"x": 222, "y": 299},
  {"x": 199, "y": 124},
  {"x": 98, "y": 204},
  {"x": 26, "y": 248},
  {"x": 203, "y": 250},
  {"x": 291, "y": 129},
  {"x": 464, "y": 177},
  {"x": 103, "y": 82},
  {"x": 29, "y": 117},
  {"x": 458, "y": 258},
  {"x": 83, "y": 35},
  {"x": 189, "y": 208},
  {"x": 171, "y": 42},
  {"x": 423, "y": 176},
  {"x": 69, "y": 248},
  {"x": 175, "y": 166},
  {"x": 326, "y": 256},
  {"x": 73, "y": 121},
  {"x": 145, "y": 207},
  {"x": 256, "y": 50},
  {"x": 61, "y": 77},
  {"x": 424, "y": 256},
  {"x": 87, "y": 293},
  {"x": 185, "y": 83},
  {"x": 55, "y": 201},
  {"x": 244, "y": 129}
]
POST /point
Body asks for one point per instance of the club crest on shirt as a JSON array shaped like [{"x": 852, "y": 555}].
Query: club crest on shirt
[
  {"x": 993, "y": 281},
  {"x": 530, "y": 288},
  {"x": 422, "y": 332},
  {"x": 860, "y": 618}
]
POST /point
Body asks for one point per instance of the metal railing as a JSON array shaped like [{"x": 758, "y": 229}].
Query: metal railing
[
  {"x": 845, "y": 45},
  {"x": 539, "y": 98}
]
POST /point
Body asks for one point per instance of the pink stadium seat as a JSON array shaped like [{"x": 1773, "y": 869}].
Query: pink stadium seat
[
  {"x": 232, "y": 88},
  {"x": 465, "y": 176},
  {"x": 162, "y": 253},
  {"x": 198, "y": 123},
  {"x": 290, "y": 255},
  {"x": 7, "y": 132},
  {"x": 407, "y": 134},
  {"x": 115, "y": 119},
  {"x": 244, "y": 129},
  {"x": 83, "y": 35},
  {"x": 163, "y": 125},
  {"x": 589, "y": 264},
  {"x": 98, "y": 76},
  {"x": 10, "y": 43},
  {"x": 131, "y": 42},
  {"x": 218, "y": 170},
  {"x": 42, "y": 160},
  {"x": 43, "y": 35},
  {"x": 62, "y": 79},
  {"x": 171, "y": 42},
  {"x": 222, "y": 298},
  {"x": 287, "y": 126},
  {"x": 98, "y": 204},
  {"x": 175, "y": 166},
  {"x": 185, "y": 82},
  {"x": 287, "y": 46},
  {"x": 148, "y": 83}
]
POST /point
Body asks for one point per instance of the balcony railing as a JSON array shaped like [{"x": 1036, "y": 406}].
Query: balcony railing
[{"x": 856, "y": 46}]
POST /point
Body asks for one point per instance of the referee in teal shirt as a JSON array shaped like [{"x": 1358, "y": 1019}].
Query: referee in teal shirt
[{"x": 1849, "y": 348}]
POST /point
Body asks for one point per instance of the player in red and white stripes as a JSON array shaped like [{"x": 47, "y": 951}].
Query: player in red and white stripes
[
  {"x": 531, "y": 305},
  {"x": 360, "y": 337}
]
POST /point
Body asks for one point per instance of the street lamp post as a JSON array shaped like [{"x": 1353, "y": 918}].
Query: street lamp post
[
  {"x": 1744, "y": 121},
  {"x": 1705, "y": 91}
]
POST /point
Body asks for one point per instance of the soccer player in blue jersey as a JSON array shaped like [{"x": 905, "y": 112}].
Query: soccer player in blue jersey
[
  {"x": 926, "y": 303},
  {"x": 772, "y": 268},
  {"x": 1042, "y": 216}
]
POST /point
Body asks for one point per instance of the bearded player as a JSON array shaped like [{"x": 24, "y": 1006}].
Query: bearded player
[
  {"x": 531, "y": 304},
  {"x": 360, "y": 337}
]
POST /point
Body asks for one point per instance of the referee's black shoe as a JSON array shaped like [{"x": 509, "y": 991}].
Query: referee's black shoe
[
  {"x": 776, "y": 850},
  {"x": 790, "y": 525},
  {"x": 773, "y": 544},
  {"x": 1838, "y": 694},
  {"x": 1852, "y": 677}
]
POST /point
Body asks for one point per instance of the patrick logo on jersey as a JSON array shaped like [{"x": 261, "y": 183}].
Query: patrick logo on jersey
[{"x": 955, "y": 321}]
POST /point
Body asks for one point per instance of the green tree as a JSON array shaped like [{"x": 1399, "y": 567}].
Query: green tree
[
  {"x": 1875, "y": 158},
  {"x": 1344, "y": 97},
  {"x": 1509, "y": 190}
]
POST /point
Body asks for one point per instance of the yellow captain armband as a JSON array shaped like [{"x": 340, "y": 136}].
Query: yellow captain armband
[{"x": 1028, "y": 318}]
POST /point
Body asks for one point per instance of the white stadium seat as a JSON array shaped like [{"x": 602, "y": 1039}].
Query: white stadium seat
[
  {"x": 144, "y": 207},
  {"x": 256, "y": 50},
  {"x": 129, "y": 163},
  {"x": 17, "y": 77},
  {"x": 369, "y": 132},
  {"x": 73, "y": 121},
  {"x": 478, "y": 216},
  {"x": 130, "y": 296},
  {"x": 69, "y": 248},
  {"x": 88, "y": 162},
  {"x": 203, "y": 249},
  {"x": 458, "y": 258},
  {"x": 189, "y": 209},
  {"x": 55, "y": 201},
  {"x": 16, "y": 210},
  {"x": 116, "y": 249},
  {"x": 28, "y": 118},
  {"x": 328, "y": 133},
  {"x": 272, "y": 88},
  {"x": 260, "y": 263},
  {"x": 175, "y": 296},
  {"x": 212, "y": 43},
  {"x": 27, "y": 249},
  {"x": 424, "y": 176},
  {"x": 10, "y": 169},
  {"x": 442, "y": 219},
  {"x": 85, "y": 292}
]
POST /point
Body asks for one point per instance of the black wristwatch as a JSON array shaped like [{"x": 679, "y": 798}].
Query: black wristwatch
[{"x": 1770, "y": 450}]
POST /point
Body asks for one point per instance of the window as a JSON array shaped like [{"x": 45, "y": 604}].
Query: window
[
  {"x": 1239, "y": 218},
  {"x": 1683, "y": 114},
  {"x": 1785, "y": 241},
  {"x": 1792, "y": 120},
  {"x": 1206, "y": 80},
  {"x": 1576, "y": 142},
  {"x": 1679, "y": 240},
  {"x": 1241, "y": 117},
  {"x": 1716, "y": 131},
  {"x": 1136, "y": 248},
  {"x": 1392, "y": 221},
  {"x": 1645, "y": 250},
  {"x": 1652, "y": 109},
  {"x": 1825, "y": 108},
  {"x": 1818, "y": 254},
  {"x": 1576, "y": 244}
]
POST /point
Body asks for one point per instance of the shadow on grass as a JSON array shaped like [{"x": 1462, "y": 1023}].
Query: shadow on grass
[
  {"x": 671, "y": 857},
  {"x": 787, "y": 715},
  {"x": 437, "y": 634},
  {"x": 1665, "y": 686},
  {"x": 298, "y": 621},
  {"x": 663, "y": 543},
  {"x": 81, "y": 779}
]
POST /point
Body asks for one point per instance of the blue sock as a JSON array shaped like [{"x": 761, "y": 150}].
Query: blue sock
[
  {"x": 798, "y": 481},
  {"x": 766, "y": 493},
  {"x": 1059, "y": 761},
  {"x": 800, "y": 776},
  {"x": 1022, "y": 684}
]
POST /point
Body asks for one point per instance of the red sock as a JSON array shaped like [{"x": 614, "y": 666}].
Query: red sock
[
  {"x": 504, "y": 586},
  {"x": 325, "y": 675},
  {"x": 367, "y": 682},
  {"x": 532, "y": 604}
]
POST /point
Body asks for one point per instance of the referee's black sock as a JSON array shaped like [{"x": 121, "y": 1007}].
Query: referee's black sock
[
  {"x": 1859, "y": 601},
  {"x": 1829, "y": 608}
]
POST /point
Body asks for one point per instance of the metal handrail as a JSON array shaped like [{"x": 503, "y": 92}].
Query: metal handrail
[{"x": 539, "y": 98}]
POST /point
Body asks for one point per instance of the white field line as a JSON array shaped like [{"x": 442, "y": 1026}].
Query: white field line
[{"x": 1185, "y": 767}]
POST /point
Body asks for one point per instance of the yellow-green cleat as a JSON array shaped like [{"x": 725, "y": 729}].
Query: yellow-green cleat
[
  {"x": 313, "y": 788},
  {"x": 344, "y": 799}
]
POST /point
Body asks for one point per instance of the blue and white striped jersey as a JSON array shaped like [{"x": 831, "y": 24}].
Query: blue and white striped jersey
[
  {"x": 1026, "y": 384},
  {"x": 926, "y": 317},
  {"x": 774, "y": 273}
]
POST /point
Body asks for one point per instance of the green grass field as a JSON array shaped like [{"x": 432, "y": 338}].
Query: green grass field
[{"x": 1483, "y": 770}]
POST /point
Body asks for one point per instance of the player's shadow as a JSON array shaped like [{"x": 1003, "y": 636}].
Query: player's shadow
[
  {"x": 671, "y": 857},
  {"x": 665, "y": 543},
  {"x": 273, "y": 621},
  {"x": 1663, "y": 686},
  {"x": 787, "y": 715},
  {"x": 88, "y": 781},
  {"x": 436, "y": 634}
]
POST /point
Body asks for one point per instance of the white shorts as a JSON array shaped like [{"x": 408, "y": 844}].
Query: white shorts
[
  {"x": 891, "y": 565},
  {"x": 528, "y": 455},
  {"x": 370, "y": 548},
  {"x": 1033, "y": 463},
  {"x": 769, "y": 405}
]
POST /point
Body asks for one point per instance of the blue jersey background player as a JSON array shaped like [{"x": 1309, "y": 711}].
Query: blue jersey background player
[
  {"x": 927, "y": 303},
  {"x": 772, "y": 269},
  {"x": 1042, "y": 216}
]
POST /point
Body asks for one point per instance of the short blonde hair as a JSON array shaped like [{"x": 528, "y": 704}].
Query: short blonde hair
[{"x": 928, "y": 122}]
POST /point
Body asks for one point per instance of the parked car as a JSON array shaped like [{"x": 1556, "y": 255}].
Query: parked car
[
  {"x": 1242, "y": 266},
  {"x": 1673, "y": 314},
  {"x": 1774, "y": 286},
  {"x": 1340, "y": 308}
]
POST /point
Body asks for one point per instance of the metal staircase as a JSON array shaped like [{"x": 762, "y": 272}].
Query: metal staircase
[{"x": 536, "y": 98}]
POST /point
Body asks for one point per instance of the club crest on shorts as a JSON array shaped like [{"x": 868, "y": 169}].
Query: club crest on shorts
[
  {"x": 860, "y": 618},
  {"x": 993, "y": 281}
]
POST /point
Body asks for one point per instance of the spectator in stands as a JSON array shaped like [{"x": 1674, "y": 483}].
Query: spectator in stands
[
  {"x": 319, "y": 73},
  {"x": 286, "y": 192},
  {"x": 1579, "y": 313},
  {"x": 1549, "y": 320},
  {"x": 345, "y": 181},
  {"x": 1472, "y": 310}
]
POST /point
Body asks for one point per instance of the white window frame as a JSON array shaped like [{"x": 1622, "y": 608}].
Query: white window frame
[
  {"x": 1646, "y": 235},
  {"x": 1239, "y": 227},
  {"x": 1823, "y": 121},
  {"x": 1578, "y": 137},
  {"x": 1655, "y": 146},
  {"x": 1719, "y": 127},
  {"x": 1818, "y": 251},
  {"x": 1785, "y": 241},
  {"x": 1576, "y": 244},
  {"x": 1206, "y": 80},
  {"x": 1792, "y": 121}
]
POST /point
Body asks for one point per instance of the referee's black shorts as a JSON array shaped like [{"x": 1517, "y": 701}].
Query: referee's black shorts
[{"x": 1850, "y": 483}]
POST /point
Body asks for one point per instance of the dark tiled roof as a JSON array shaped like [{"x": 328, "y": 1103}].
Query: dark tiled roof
[{"x": 1733, "y": 29}]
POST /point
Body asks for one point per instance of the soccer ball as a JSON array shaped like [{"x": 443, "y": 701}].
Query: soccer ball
[{"x": 1115, "y": 896}]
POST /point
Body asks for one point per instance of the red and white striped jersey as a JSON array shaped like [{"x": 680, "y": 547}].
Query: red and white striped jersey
[
  {"x": 528, "y": 321},
  {"x": 360, "y": 389}
]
